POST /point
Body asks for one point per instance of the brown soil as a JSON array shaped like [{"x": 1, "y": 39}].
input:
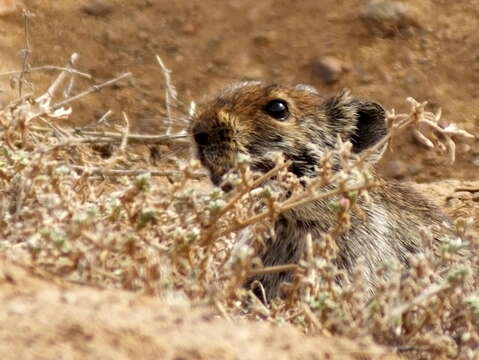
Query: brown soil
[
  {"x": 46, "y": 320},
  {"x": 207, "y": 44}
]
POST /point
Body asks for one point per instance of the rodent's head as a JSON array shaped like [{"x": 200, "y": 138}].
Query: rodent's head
[{"x": 258, "y": 119}]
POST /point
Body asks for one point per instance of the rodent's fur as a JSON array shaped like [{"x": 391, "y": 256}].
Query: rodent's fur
[{"x": 389, "y": 228}]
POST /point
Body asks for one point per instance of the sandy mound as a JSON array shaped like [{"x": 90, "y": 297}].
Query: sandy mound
[{"x": 48, "y": 320}]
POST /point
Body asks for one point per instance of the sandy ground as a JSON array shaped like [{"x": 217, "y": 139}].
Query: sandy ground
[{"x": 51, "y": 320}]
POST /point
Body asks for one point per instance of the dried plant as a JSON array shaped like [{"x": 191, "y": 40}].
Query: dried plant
[{"x": 121, "y": 222}]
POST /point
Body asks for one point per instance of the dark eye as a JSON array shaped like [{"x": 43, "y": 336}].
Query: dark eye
[{"x": 277, "y": 109}]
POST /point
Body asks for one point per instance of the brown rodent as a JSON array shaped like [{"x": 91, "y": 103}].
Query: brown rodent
[{"x": 255, "y": 118}]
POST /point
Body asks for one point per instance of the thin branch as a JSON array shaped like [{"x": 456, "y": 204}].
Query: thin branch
[
  {"x": 170, "y": 92},
  {"x": 132, "y": 138},
  {"x": 121, "y": 172},
  {"x": 59, "y": 80},
  {"x": 113, "y": 137},
  {"x": 223, "y": 311},
  {"x": 273, "y": 269},
  {"x": 48, "y": 67},
  {"x": 255, "y": 183},
  {"x": 69, "y": 88},
  {"x": 92, "y": 89},
  {"x": 311, "y": 316},
  {"x": 429, "y": 292},
  {"x": 124, "y": 138},
  {"x": 287, "y": 205},
  {"x": 26, "y": 52},
  {"x": 104, "y": 117}
]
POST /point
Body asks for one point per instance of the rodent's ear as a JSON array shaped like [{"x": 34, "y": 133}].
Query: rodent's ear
[
  {"x": 370, "y": 125},
  {"x": 359, "y": 121}
]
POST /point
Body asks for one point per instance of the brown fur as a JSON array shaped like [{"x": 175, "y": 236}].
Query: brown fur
[{"x": 235, "y": 122}]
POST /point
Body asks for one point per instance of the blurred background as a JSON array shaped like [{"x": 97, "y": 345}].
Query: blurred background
[{"x": 384, "y": 50}]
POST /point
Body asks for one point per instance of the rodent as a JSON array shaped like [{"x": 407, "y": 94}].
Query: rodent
[{"x": 256, "y": 118}]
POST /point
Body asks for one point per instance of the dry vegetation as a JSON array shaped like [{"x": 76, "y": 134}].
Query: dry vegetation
[{"x": 90, "y": 206}]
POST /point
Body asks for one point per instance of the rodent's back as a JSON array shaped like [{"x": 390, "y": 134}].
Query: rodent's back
[{"x": 387, "y": 231}]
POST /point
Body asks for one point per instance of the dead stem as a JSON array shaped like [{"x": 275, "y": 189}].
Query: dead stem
[
  {"x": 114, "y": 137},
  {"x": 170, "y": 93},
  {"x": 47, "y": 67},
  {"x": 91, "y": 90},
  {"x": 123, "y": 172},
  {"x": 26, "y": 52},
  {"x": 273, "y": 269},
  {"x": 287, "y": 205}
]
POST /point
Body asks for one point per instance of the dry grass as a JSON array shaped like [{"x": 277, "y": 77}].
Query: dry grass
[{"x": 116, "y": 220}]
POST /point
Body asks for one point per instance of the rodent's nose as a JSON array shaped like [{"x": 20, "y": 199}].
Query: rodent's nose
[{"x": 202, "y": 138}]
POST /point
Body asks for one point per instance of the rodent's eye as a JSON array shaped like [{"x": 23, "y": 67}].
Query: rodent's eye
[{"x": 277, "y": 109}]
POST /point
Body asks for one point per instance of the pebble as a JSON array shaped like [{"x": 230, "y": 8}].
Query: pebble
[
  {"x": 475, "y": 196},
  {"x": 475, "y": 161},
  {"x": 98, "y": 7},
  {"x": 143, "y": 35},
  {"x": 328, "y": 69},
  {"x": 386, "y": 17},
  {"x": 262, "y": 39},
  {"x": 188, "y": 28}
]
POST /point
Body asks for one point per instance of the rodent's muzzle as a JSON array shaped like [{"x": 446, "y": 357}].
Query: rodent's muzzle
[
  {"x": 212, "y": 137},
  {"x": 215, "y": 150}
]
